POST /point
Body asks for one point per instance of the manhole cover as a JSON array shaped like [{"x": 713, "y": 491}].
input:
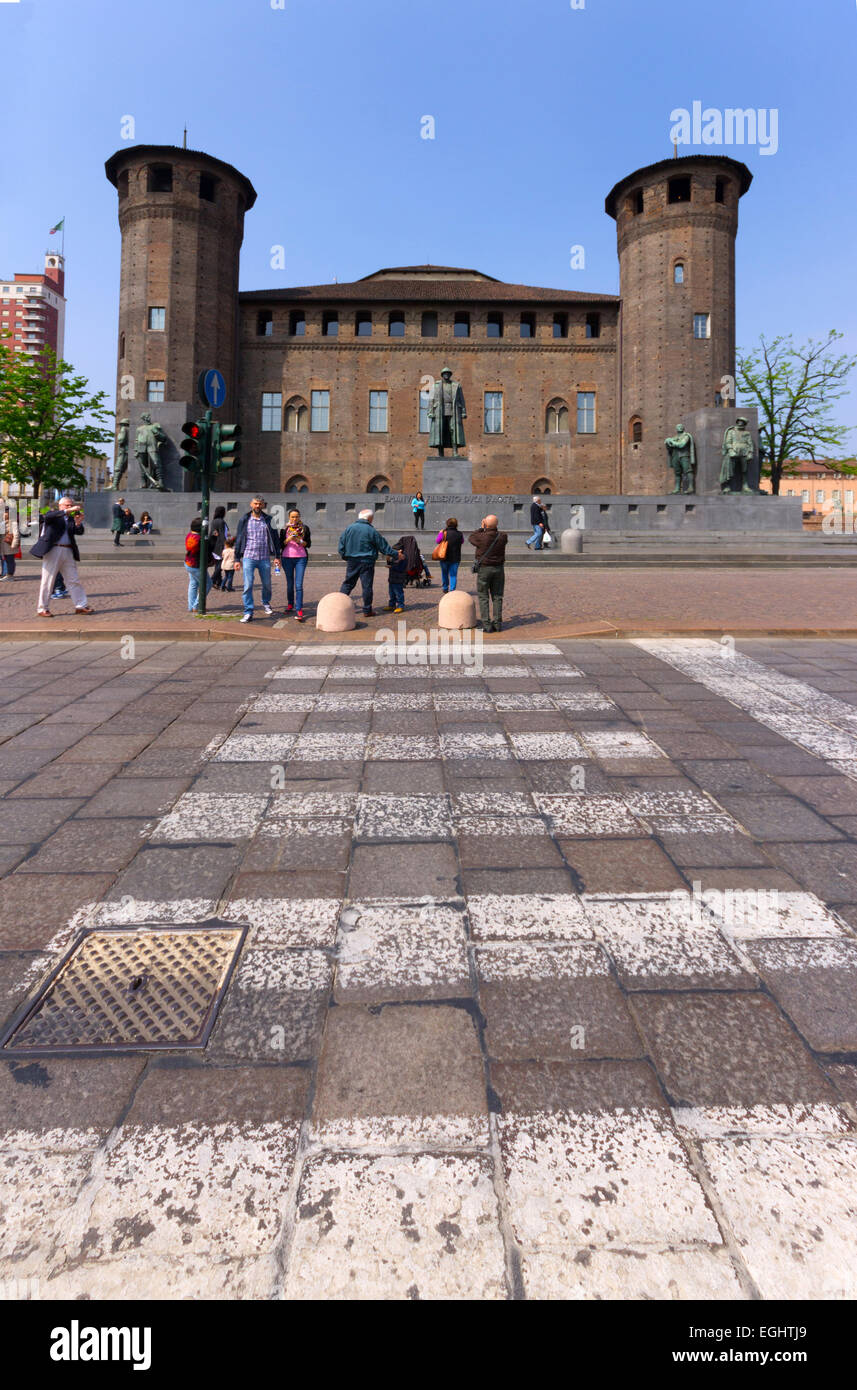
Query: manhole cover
[{"x": 130, "y": 988}]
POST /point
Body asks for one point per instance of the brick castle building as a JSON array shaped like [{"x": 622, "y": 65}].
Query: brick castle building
[{"x": 567, "y": 392}]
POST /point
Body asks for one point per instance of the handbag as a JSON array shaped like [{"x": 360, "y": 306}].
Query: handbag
[
  {"x": 439, "y": 552},
  {"x": 475, "y": 566}
]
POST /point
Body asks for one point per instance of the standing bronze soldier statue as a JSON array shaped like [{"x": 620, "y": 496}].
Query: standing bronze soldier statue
[
  {"x": 738, "y": 454},
  {"x": 121, "y": 453},
  {"x": 150, "y": 438},
  {"x": 446, "y": 413},
  {"x": 682, "y": 456}
]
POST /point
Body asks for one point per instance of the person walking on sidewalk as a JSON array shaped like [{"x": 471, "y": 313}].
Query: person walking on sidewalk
[
  {"x": 418, "y": 506},
  {"x": 117, "y": 525},
  {"x": 490, "y": 566},
  {"x": 449, "y": 541},
  {"x": 359, "y": 546},
  {"x": 58, "y": 552},
  {"x": 296, "y": 540},
  {"x": 539, "y": 523},
  {"x": 256, "y": 545},
  {"x": 217, "y": 533},
  {"x": 10, "y": 544},
  {"x": 191, "y": 560}
]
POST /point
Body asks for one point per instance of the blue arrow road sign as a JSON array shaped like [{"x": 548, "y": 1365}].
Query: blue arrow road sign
[{"x": 213, "y": 388}]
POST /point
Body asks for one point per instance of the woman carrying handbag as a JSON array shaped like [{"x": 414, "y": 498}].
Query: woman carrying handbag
[
  {"x": 448, "y": 552},
  {"x": 10, "y": 545}
]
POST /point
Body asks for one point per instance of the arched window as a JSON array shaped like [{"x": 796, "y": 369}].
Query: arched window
[
  {"x": 678, "y": 273},
  {"x": 297, "y": 415},
  {"x": 494, "y": 326},
  {"x": 556, "y": 417},
  {"x": 297, "y": 484},
  {"x": 378, "y": 484},
  {"x": 635, "y": 430},
  {"x": 428, "y": 327},
  {"x": 543, "y": 487}
]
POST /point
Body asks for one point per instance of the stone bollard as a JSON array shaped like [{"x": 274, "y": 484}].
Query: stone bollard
[
  {"x": 335, "y": 613},
  {"x": 571, "y": 541},
  {"x": 457, "y": 610}
]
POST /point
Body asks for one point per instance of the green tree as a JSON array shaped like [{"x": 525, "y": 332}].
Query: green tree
[
  {"x": 795, "y": 388},
  {"x": 48, "y": 420}
]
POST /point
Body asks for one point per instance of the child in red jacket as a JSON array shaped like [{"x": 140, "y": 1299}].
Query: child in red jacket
[{"x": 191, "y": 559}]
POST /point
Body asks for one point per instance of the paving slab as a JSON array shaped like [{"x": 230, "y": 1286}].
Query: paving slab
[{"x": 815, "y": 983}]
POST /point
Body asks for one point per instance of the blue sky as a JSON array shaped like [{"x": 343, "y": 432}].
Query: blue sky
[{"x": 539, "y": 110}]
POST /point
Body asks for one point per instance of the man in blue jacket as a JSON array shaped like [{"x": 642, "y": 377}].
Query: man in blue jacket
[
  {"x": 256, "y": 545},
  {"x": 359, "y": 546}
]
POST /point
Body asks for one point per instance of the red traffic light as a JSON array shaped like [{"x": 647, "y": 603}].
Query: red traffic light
[{"x": 193, "y": 430}]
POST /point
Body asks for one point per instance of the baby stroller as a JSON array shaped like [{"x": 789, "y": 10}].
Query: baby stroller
[{"x": 417, "y": 569}]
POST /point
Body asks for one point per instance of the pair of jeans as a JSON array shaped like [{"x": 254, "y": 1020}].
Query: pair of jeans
[
  {"x": 249, "y": 568},
  {"x": 227, "y": 581},
  {"x": 397, "y": 595},
  {"x": 193, "y": 586},
  {"x": 9, "y": 565},
  {"x": 449, "y": 574},
  {"x": 490, "y": 584},
  {"x": 537, "y": 536},
  {"x": 293, "y": 568},
  {"x": 420, "y": 521},
  {"x": 364, "y": 570}
]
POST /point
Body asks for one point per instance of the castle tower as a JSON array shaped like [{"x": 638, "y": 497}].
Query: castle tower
[
  {"x": 181, "y": 214},
  {"x": 676, "y": 223}
]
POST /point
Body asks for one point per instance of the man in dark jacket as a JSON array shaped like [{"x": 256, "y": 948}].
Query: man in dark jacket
[
  {"x": 256, "y": 544},
  {"x": 117, "y": 526},
  {"x": 490, "y": 544},
  {"x": 58, "y": 552},
  {"x": 539, "y": 523},
  {"x": 359, "y": 546}
]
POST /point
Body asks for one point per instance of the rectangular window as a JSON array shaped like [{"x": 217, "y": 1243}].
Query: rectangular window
[
  {"x": 461, "y": 328},
  {"x": 586, "y": 412},
  {"x": 363, "y": 324},
  {"x": 528, "y": 325},
  {"x": 805, "y": 495},
  {"x": 560, "y": 325},
  {"x": 494, "y": 326},
  {"x": 297, "y": 323},
  {"x": 593, "y": 325},
  {"x": 272, "y": 411},
  {"x": 425, "y": 398},
  {"x": 158, "y": 319},
  {"x": 265, "y": 323},
  {"x": 330, "y": 324},
  {"x": 429, "y": 324},
  {"x": 837, "y": 495},
  {"x": 320, "y": 411},
  {"x": 155, "y": 390},
  {"x": 819, "y": 495},
  {"x": 396, "y": 324},
  {"x": 377, "y": 412},
  {"x": 493, "y": 412},
  {"x": 701, "y": 325}
]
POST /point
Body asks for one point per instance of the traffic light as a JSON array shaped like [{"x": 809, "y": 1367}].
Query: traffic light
[
  {"x": 194, "y": 448},
  {"x": 226, "y": 446}
]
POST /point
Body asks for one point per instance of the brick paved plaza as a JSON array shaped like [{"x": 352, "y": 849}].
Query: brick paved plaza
[
  {"x": 548, "y": 988},
  {"x": 541, "y": 601}
]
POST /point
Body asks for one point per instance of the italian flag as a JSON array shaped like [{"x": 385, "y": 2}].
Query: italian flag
[{"x": 57, "y": 228}]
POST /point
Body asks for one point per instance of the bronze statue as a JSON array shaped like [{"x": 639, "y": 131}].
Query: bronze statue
[
  {"x": 150, "y": 438},
  {"x": 682, "y": 456},
  {"x": 121, "y": 453},
  {"x": 446, "y": 413},
  {"x": 738, "y": 454}
]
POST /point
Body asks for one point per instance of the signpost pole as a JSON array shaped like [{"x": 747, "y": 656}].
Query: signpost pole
[{"x": 205, "y": 472}]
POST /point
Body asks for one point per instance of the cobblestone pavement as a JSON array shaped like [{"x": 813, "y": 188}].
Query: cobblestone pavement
[
  {"x": 541, "y": 602},
  {"x": 548, "y": 988}
]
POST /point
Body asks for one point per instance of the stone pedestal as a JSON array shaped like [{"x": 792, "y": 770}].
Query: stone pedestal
[
  {"x": 708, "y": 427},
  {"x": 448, "y": 475},
  {"x": 571, "y": 541}
]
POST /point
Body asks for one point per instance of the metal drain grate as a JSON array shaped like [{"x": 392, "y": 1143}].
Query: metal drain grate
[{"x": 122, "y": 989}]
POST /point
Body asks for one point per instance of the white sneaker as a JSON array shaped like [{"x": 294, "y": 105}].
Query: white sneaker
[
  {"x": 268, "y": 609},
  {"x": 248, "y": 618}
]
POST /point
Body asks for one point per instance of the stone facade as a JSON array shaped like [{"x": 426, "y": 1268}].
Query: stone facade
[{"x": 567, "y": 392}]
